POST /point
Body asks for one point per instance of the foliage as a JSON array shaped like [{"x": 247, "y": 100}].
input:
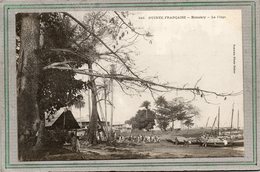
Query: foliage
[
  {"x": 189, "y": 122},
  {"x": 144, "y": 118},
  {"x": 161, "y": 102},
  {"x": 177, "y": 109},
  {"x": 131, "y": 121},
  {"x": 163, "y": 112},
  {"x": 163, "y": 122},
  {"x": 56, "y": 88},
  {"x": 55, "y": 138},
  {"x": 146, "y": 104},
  {"x": 79, "y": 102},
  {"x": 143, "y": 121}
]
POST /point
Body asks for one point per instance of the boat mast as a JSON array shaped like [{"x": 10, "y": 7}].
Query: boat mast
[
  {"x": 231, "y": 126},
  {"x": 207, "y": 122},
  {"x": 238, "y": 120},
  {"x": 213, "y": 124},
  {"x": 218, "y": 119}
]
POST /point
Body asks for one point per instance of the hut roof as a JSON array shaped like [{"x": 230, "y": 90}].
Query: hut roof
[{"x": 62, "y": 119}]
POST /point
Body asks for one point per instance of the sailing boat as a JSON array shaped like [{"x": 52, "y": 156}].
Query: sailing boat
[
  {"x": 237, "y": 138},
  {"x": 217, "y": 140},
  {"x": 234, "y": 139}
]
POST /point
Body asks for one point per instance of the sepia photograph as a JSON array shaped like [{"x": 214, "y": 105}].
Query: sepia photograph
[{"x": 140, "y": 84}]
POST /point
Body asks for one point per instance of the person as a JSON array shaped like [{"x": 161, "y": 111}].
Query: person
[
  {"x": 204, "y": 141},
  {"x": 225, "y": 142},
  {"x": 75, "y": 143},
  {"x": 176, "y": 141}
]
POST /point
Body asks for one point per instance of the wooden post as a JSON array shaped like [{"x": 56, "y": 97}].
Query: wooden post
[
  {"x": 112, "y": 107},
  {"x": 80, "y": 116},
  {"x": 112, "y": 71},
  {"x": 89, "y": 104},
  {"x": 105, "y": 101},
  {"x": 64, "y": 120}
]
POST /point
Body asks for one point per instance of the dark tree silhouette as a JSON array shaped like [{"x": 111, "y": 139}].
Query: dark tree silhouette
[{"x": 144, "y": 119}]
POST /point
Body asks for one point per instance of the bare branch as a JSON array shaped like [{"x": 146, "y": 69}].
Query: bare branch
[
  {"x": 102, "y": 42},
  {"x": 198, "y": 81},
  {"x": 145, "y": 83},
  {"x": 56, "y": 64},
  {"x": 123, "y": 77},
  {"x": 71, "y": 52},
  {"x": 131, "y": 28}
]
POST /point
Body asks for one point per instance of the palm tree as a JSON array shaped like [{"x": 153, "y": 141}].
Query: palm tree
[
  {"x": 146, "y": 104},
  {"x": 161, "y": 101},
  {"x": 79, "y": 103},
  {"x": 189, "y": 123}
]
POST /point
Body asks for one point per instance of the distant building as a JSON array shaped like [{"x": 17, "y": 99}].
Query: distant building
[
  {"x": 61, "y": 119},
  {"x": 85, "y": 123},
  {"x": 122, "y": 127}
]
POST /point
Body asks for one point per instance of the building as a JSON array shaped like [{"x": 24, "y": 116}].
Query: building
[{"x": 83, "y": 123}]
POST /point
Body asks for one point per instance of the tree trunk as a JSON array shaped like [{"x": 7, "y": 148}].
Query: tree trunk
[
  {"x": 80, "y": 115},
  {"x": 27, "y": 86},
  {"x": 40, "y": 142},
  {"x": 92, "y": 133},
  {"x": 172, "y": 125}
]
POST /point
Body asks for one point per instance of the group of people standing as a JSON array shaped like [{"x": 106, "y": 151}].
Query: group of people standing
[{"x": 139, "y": 139}]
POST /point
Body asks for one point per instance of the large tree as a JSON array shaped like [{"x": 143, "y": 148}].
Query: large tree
[
  {"x": 144, "y": 118},
  {"x": 27, "y": 84},
  {"x": 182, "y": 110},
  {"x": 57, "y": 88},
  {"x": 177, "y": 109},
  {"x": 40, "y": 91},
  {"x": 163, "y": 111}
]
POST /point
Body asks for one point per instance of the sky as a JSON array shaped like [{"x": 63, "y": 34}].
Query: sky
[{"x": 187, "y": 45}]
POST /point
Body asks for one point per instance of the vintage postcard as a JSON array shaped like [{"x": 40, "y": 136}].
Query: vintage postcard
[{"x": 133, "y": 86}]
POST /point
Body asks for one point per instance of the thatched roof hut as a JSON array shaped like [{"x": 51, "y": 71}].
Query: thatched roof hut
[{"x": 62, "y": 119}]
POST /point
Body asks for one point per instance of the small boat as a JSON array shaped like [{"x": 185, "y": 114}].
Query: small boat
[
  {"x": 237, "y": 142},
  {"x": 220, "y": 142},
  {"x": 217, "y": 142}
]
